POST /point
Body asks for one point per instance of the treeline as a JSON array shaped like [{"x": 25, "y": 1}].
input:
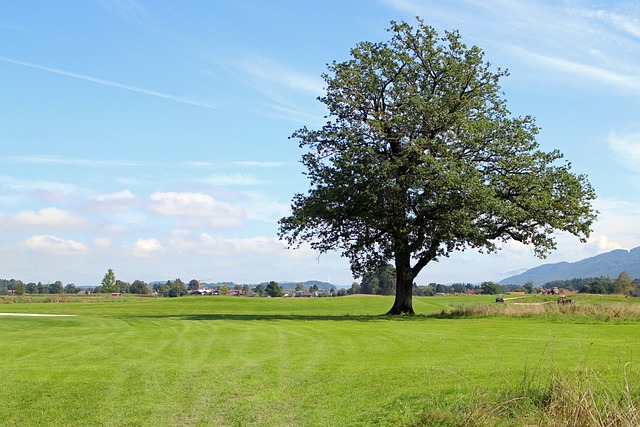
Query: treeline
[
  {"x": 21, "y": 288},
  {"x": 383, "y": 282},
  {"x": 624, "y": 284}
]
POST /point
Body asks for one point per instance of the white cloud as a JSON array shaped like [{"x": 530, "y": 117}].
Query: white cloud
[
  {"x": 55, "y": 245},
  {"x": 261, "y": 207},
  {"x": 601, "y": 244},
  {"x": 120, "y": 200},
  {"x": 119, "y": 196},
  {"x": 627, "y": 147},
  {"x": 38, "y": 186},
  {"x": 45, "y": 217},
  {"x": 232, "y": 179},
  {"x": 197, "y": 205},
  {"x": 147, "y": 247},
  {"x": 102, "y": 242}
]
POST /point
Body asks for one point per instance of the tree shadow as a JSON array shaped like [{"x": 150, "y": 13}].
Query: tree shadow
[{"x": 296, "y": 317}]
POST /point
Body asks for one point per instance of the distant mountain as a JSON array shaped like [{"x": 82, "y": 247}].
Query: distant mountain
[
  {"x": 609, "y": 264},
  {"x": 324, "y": 286}
]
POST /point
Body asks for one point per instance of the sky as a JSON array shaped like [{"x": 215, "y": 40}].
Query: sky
[{"x": 153, "y": 137}]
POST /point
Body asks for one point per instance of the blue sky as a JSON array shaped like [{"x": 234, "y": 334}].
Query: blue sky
[{"x": 151, "y": 137}]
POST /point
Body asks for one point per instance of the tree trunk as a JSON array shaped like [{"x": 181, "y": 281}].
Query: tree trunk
[{"x": 404, "y": 287}]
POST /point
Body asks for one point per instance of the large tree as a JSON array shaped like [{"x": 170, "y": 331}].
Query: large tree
[{"x": 420, "y": 157}]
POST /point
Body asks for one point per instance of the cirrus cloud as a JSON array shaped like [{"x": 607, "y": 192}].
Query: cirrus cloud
[{"x": 627, "y": 147}]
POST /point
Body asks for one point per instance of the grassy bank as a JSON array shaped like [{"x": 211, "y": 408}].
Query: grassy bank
[{"x": 224, "y": 361}]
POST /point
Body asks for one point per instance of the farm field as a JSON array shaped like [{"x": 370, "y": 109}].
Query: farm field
[{"x": 225, "y": 361}]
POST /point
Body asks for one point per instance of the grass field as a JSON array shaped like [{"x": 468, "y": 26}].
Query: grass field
[{"x": 225, "y": 361}]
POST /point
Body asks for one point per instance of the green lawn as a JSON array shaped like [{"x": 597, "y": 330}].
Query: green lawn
[{"x": 226, "y": 361}]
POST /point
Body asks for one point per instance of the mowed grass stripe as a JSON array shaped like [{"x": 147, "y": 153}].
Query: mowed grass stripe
[{"x": 233, "y": 361}]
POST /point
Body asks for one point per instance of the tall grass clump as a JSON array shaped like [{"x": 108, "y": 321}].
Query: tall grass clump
[
  {"x": 603, "y": 312},
  {"x": 580, "y": 398}
]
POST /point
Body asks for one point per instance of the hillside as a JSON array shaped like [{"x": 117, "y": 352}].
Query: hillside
[{"x": 609, "y": 264}]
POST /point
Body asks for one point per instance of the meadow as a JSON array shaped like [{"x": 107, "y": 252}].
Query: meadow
[{"x": 228, "y": 361}]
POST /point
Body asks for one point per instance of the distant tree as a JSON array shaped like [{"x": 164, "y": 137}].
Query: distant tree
[
  {"x": 458, "y": 288},
  {"x": 354, "y": 289},
  {"x": 246, "y": 290},
  {"x": 490, "y": 288},
  {"x": 109, "y": 282},
  {"x": 314, "y": 288},
  {"x": 273, "y": 289},
  {"x": 300, "y": 287},
  {"x": 42, "y": 289},
  {"x": 424, "y": 291},
  {"x": 381, "y": 281},
  {"x": 139, "y": 287},
  {"x": 194, "y": 285},
  {"x": 261, "y": 290},
  {"x": 162, "y": 289},
  {"x": 341, "y": 292},
  {"x": 32, "y": 288},
  {"x": 420, "y": 157},
  {"x": 177, "y": 288},
  {"x": 528, "y": 287},
  {"x": 56, "y": 288},
  {"x": 224, "y": 290},
  {"x": 21, "y": 289},
  {"x": 123, "y": 287},
  {"x": 624, "y": 285},
  {"x": 598, "y": 285},
  {"x": 70, "y": 289}
]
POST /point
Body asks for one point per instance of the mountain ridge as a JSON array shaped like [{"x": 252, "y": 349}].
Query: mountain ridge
[{"x": 608, "y": 264}]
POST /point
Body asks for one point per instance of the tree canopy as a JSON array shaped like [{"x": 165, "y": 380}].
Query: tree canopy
[
  {"x": 109, "y": 282},
  {"x": 420, "y": 157}
]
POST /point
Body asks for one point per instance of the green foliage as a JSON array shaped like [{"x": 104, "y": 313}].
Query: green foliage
[
  {"x": 379, "y": 282},
  {"x": 273, "y": 289},
  {"x": 490, "y": 288},
  {"x": 421, "y": 157},
  {"x": 139, "y": 287},
  {"x": 109, "y": 282},
  {"x": 261, "y": 290},
  {"x": 21, "y": 289},
  {"x": 194, "y": 285}
]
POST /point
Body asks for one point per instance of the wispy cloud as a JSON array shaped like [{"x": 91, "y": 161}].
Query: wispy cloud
[
  {"x": 576, "y": 69},
  {"x": 67, "y": 161},
  {"x": 109, "y": 83},
  {"x": 266, "y": 73},
  {"x": 129, "y": 10},
  {"x": 578, "y": 43},
  {"x": 624, "y": 23},
  {"x": 627, "y": 148},
  {"x": 232, "y": 179}
]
